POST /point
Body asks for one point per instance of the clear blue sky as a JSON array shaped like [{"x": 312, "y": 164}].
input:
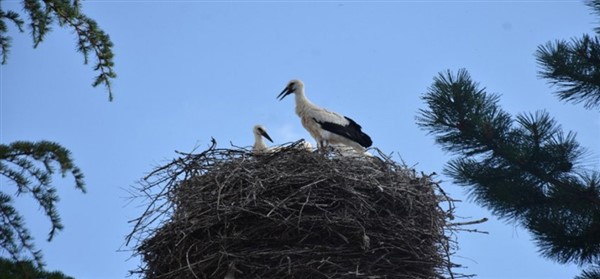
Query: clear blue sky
[{"x": 192, "y": 70}]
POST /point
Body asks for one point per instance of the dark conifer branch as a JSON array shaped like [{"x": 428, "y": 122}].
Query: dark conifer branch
[
  {"x": 14, "y": 237},
  {"x": 4, "y": 39},
  {"x": 593, "y": 273},
  {"x": 30, "y": 166},
  {"x": 11, "y": 269},
  {"x": 40, "y": 19},
  {"x": 574, "y": 67},
  {"x": 525, "y": 169},
  {"x": 595, "y": 5},
  {"x": 90, "y": 38}
]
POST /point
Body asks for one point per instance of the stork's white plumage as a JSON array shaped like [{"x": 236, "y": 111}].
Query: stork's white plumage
[
  {"x": 347, "y": 151},
  {"x": 259, "y": 146},
  {"x": 326, "y": 127}
]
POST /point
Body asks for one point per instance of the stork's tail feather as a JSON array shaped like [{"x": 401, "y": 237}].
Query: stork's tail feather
[{"x": 365, "y": 140}]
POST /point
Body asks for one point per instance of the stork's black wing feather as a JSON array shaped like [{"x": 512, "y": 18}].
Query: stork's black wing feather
[{"x": 352, "y": 131}]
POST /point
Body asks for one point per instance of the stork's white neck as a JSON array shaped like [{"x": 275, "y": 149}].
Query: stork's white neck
[
  {"x": 302, "y": 102},
  {"x": 259, "y": 143},
  {"x": 258, "y": 138}
]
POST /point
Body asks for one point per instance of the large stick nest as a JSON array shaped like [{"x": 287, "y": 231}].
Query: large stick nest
[{"x": 224, "y": 213}]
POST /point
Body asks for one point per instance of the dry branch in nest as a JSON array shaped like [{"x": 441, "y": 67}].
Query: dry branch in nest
[{"x": 224, "y": 213}]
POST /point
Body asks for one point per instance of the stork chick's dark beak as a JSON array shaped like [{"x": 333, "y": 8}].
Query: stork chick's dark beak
[
  {"x": 286, "y": 91},
  {"x": 264, "y": 134}
]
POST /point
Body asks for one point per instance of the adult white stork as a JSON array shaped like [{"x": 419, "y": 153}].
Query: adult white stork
[
  {"x": 326, "y": 127},
  {"x": 259, "y": 146}
]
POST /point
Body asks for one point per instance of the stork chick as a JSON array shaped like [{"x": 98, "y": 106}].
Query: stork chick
[
  {"x": 326, "y": 127},
  {"x": 306, "y": 146},
  {"x": 259, "y": 146}
]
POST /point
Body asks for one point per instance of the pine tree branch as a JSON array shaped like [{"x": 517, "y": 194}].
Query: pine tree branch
[
  {"x": 525, "y": 172},
  {"x": 19, "y": 269},
  {"x": 40, "y": 20},
  {"x": 466, "y": 120},
  {"x": 19, "y": 163},
  {"x": 11, "y": 223},
  {"x": 90, "y": 38},
  {"x": 595, "y": 6},
  {"x": 460, "y": 112},
  {"x": 591, "y": 273},
  {"x": 574, "y": 67},
  {"x": 4, "y": 39}
]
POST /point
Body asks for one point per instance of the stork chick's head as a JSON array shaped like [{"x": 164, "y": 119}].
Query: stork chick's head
[
  {"x": 294, "y": 86},
  {"x": 259, "y": 131}
]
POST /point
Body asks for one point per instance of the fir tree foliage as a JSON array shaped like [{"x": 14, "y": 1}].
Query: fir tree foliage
[
  {"x": 4, "y": 39},
  {"x": 523, "y": 168},
  {"x": 30, "y": 167},
  {"x": 574, "y": 66},
  {"x": 595, "y": 5},
  {"x": 10, "y": 269},
  {"x": 91, "y": 40}
]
